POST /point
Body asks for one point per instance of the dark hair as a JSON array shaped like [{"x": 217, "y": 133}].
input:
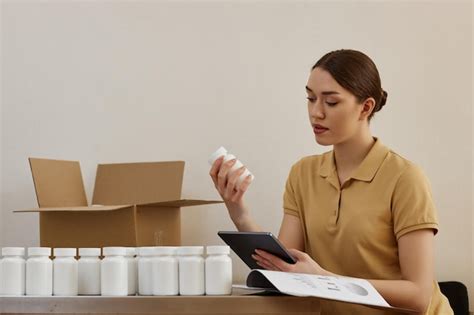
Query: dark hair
[{"x": 355, "y": 72}]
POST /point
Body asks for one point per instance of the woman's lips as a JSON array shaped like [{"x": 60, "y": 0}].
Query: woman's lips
[{"x": 318, "y": 129}]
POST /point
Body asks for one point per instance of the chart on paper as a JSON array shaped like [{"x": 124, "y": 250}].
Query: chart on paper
[{"x": 338, "y": 288}]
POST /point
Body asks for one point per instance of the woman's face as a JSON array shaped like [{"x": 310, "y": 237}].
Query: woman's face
[{"x": 335, "y": 114}]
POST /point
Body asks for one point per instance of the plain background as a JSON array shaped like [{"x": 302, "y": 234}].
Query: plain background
[{"x": 126, "y": 81}]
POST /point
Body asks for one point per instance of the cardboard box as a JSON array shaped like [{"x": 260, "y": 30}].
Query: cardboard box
[{"x": 134, "y": 204}]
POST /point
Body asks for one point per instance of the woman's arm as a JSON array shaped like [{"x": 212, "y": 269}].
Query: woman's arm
[
  {"x": 413, "y": 291},
  {"x": 415, "y": 250},
  {"x": 291, "y": 233}
]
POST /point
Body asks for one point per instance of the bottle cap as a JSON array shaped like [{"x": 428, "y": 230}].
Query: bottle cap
[
  {"x": 113, "y": 251},
  {"x": 130, "y": 251},
  {"x": 89, "y": 252},
  {"x": 218, "y": 250},
  {"x": 218, "y": 153},
  {"x": 166, "y": 250},
  {"x": 64, "y": 252},
  {"x": 39, "y": 251},
  {"x": 147, "y": 251},
  {"x": 190, "y": 250},
  {"x": 13, "y": 251}
]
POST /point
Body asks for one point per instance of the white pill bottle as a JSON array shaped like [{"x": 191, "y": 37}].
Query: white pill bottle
[
  {"x": 89, "y": 271},
  {"x": 191, "y": 270},
  {"x": 65, "y": 272},
  {"x": 113, "y": 272},
  {"x": 12, "y": 271},
  {"x": 165, "y": 271},
  {"x": 218, "y": 270},
  {"x": 145, "y": 271},
  {"x": 39, "y": 272},
  {"x": 227, "y": 156}
]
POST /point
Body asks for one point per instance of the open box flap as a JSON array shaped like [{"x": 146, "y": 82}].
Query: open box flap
[
  {"x": 58, "y": 183},
  {"x": 138, "y": 183},
  {"x": 180, "y": 203},
  {"x": 75, "y": 209}
]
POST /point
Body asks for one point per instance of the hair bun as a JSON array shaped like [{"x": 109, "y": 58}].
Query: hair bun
[{"x": 383, "y": 99}]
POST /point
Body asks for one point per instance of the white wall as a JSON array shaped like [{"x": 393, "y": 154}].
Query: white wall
[
  {"x": 1, "y": 129},
  {"x": 103, "y": 81},
  {"x": 472, "y": 159}
]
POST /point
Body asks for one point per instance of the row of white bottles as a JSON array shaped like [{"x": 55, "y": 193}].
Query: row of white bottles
[
  {"x": 184, "y": 271},
  {"x": 116, "y": 274},
  {"x": 33, "y": 277},
  {"x": 155, "y": 271}
]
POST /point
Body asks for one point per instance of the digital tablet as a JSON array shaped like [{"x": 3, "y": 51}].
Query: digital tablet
[{"x": 244, "y": 245}]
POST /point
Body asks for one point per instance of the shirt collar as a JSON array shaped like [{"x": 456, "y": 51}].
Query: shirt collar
[{"x": 365, "y": 171}]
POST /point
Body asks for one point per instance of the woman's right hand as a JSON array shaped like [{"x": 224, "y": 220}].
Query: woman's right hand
[{"x": 232, "y": 193}]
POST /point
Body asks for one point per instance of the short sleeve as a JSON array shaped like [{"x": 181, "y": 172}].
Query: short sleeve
[
  {"x": 290, "y": 205},
  {"x": 412, "y": 203}
]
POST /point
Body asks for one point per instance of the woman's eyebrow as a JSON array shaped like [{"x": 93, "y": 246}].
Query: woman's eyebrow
[{"x": 324, "y": 92}]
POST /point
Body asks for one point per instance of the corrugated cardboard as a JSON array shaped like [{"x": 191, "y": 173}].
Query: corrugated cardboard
[{"x": 134, "y": 204}]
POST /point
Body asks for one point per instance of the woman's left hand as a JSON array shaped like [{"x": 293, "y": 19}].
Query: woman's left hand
[{"x": 304, "y": 263}]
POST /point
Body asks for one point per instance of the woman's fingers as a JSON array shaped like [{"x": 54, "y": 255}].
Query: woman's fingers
[
  {"x": 262, "y": 262},
  {"x": 266, "y": 266},
  {"x": 298, "y": 255},
  {"x": 222, "y": 175},
  {"x": 215, "y": 169},
  {"x": 244, "y": 185},
  {"x": 232, "y": 181},
  {"x": 279, "y": 263}
]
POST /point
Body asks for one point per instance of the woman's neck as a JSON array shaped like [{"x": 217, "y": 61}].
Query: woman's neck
[{"x": 349, "y": 154}]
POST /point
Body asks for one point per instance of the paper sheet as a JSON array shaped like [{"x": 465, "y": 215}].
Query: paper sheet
[{"x": 337, "y": 288}]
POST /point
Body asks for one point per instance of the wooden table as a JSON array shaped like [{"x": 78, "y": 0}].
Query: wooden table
[{"x": 237, "y": 303}]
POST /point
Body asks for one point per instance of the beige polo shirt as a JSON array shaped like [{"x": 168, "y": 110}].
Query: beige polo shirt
[{"x": 353, "y": 230}]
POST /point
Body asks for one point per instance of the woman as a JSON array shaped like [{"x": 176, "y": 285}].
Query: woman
[{"x": 360, "y": 210}]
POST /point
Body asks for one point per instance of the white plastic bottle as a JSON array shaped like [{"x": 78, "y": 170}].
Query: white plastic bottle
[
  {"x": 113, "y": 272},
  {"x": 145, "y": 272},
  {"x": 218, "y": 270},
  {"x": 132, "y": 269},
  {"x": 89, "y": 271},
  {"x": 39, "y": 272},
  {"x": 191, "y": 270},
  {"x": 165, "y": 271},
  {"x": 227, "y": 156},
  {"x": 12, "y": 271},
  {"x": 65, "y": 274}
]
